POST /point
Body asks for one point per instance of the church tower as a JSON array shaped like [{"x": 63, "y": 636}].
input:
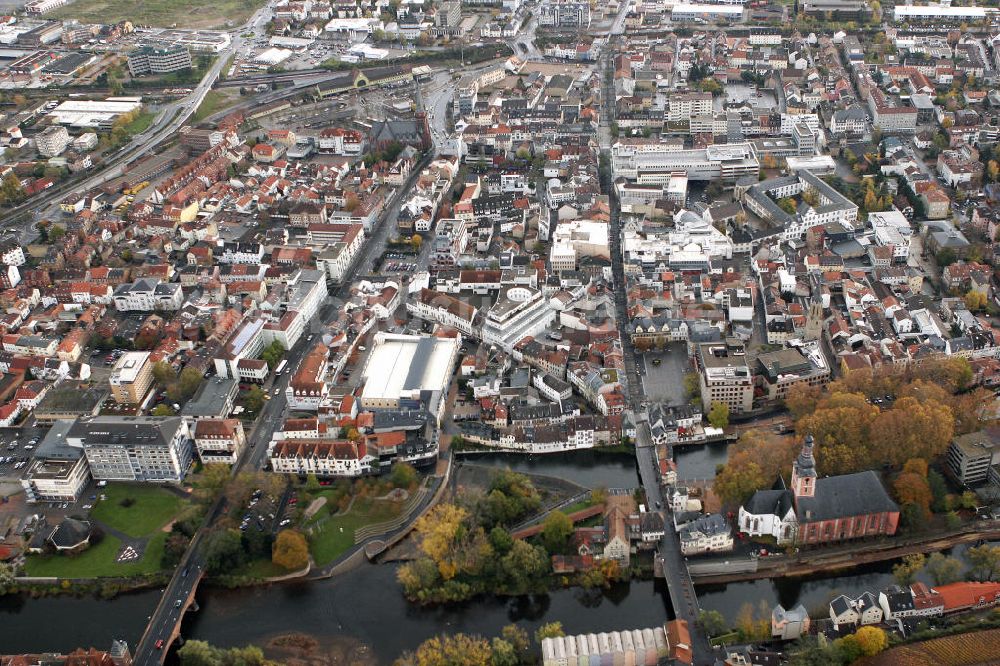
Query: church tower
[
  {"x": 815, "y": 317},
  {"x": 804, "y": 471}
]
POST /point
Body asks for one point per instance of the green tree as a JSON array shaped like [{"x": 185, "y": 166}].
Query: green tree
[
  {"x": 453, "y": 650},
  {"x": 253, "y": 399},
  {"x": 518, "y": 639},
  {"x": 199, "y": 653},
  {"x": 718, "y": 415},
  {"x": 11, "y": 190},
  {"x": 788, "y": 205},
  {"x": 163, "y": 409},
  {"x": 501, "y": 540},
  {"x": 272, "y": 354},
  {"x": 713, "y": 622},
  {"x": 905, "y": 572},
  {"x": 943, "y": 569},
  {"x": 56, "y": 233},
  {"x": 503, "y": 653},
  {"x": 7, "y": 577},
  {"x": 692, "y": 385},
  {"x": 847, "y": 650},
  {"x": 163, "y": 374},
  {"x": 985, "y": 561},
  {"x": 939, "y": 491},
  {"x": 556, "y": 531},
  {"x": 223, "y": 551},
  {"x": 186, "y": 385},
  {"x": 523, "y": 566},
  {"x": 403, "y": 475}
]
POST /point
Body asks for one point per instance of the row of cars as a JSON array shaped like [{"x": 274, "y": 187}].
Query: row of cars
[
  {"x": 264, "y": 513},
  {"x": 15, "y": 461}
]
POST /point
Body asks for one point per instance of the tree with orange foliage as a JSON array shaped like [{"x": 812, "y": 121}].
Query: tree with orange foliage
[
  {"x": 911, "y": 486},
  {"x": 755, "y": 461},
  {"x": 841, "y": 425},
  {"x": 912, "y": 429}
]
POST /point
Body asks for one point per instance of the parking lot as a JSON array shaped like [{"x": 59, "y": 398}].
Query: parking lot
[
  {"x": 16, "y": 448},
  {"x": 663, "y": 374},
  {"x": 268, "y": 513}
]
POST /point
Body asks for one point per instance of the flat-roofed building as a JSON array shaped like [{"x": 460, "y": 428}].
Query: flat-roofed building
[
  {"x": 971, "y": 456},
  {"x": 519, "y": 311},
  {"x": 58, "y": 472},
  {"x": 245, "y": 343},
  {"x": 409, "y": 372},
  {"x": 793, "y": 368},
  {"x": 725, "y": 376},
  {"x": 650, "y": 162},
  {"x": 148, "y": 294},
  {"x": 69, "y": 400},
  {"x": 215, "y": 399},
  {"x": 937, "y": 13},
  {"x": 446, "y": 310},
  {"x": 684, "y": 11},
  {"x": 152, "y": 60},
  {"x": 134, "y": 448},
  {"x": 131, "y": 378},
  {"x": 52, "y": 141}
]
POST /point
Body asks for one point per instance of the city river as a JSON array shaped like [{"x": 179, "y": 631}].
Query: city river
[{"x": 366, "y": 607}]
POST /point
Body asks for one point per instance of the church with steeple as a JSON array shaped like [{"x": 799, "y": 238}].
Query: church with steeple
[{"x": 820, "y": 510}]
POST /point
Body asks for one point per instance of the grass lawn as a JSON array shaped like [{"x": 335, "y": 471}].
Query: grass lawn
[
  {"x": 98, "y": 561},
  {"x": 328, "y": 542},
  {"x": 577, "y": 506},
  {"x": 140, "y": 123},
  {"x": 214, "y": 101},
  {"x": 262, "y": 569},
  {"x": 162, "y": 13},
  {"x": 151, "y": 508}
]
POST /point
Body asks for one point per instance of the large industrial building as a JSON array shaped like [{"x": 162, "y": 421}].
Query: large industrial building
[{"x": 409, "y": 372}]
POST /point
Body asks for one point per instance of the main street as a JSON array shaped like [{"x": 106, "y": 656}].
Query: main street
[{"x": 681, "y": 589}]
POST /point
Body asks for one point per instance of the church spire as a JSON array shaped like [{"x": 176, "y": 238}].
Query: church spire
[{"x": 804, "y": 471}]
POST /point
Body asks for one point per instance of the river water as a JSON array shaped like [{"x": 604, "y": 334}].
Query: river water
[
  {"x": 592, "y": 468},
  {"x": 366, "y": 605}
]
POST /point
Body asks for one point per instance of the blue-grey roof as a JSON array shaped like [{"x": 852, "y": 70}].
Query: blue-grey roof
[{"x": 844, "y": 496}]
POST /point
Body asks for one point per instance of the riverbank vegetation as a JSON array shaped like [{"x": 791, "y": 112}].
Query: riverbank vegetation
[
  {"x": 466, "y": 547},
  {"x": 899, "y": 421},
  {"x": 512, "y": 647},
  {"x": 201, "y": 653}
]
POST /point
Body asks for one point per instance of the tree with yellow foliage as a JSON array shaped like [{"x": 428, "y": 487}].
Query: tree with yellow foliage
[
  {"x": 453, "y": 650},
  {"x": 872, "y": 640},
  {"x": 438, "y": 530},
  {"x": 291, "y": 550},
  {"x": 976, "y": 300}
]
